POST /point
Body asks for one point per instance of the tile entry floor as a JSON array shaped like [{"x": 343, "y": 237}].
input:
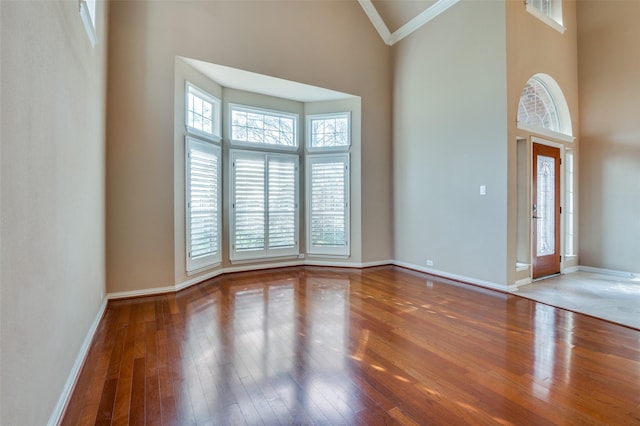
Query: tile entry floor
[{"x": 609, "y": 297}]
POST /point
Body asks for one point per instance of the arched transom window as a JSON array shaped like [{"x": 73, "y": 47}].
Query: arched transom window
[{"x": 537, "y": 107}]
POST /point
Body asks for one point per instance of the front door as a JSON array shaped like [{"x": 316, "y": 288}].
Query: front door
[{"x": 546, "y": 210}]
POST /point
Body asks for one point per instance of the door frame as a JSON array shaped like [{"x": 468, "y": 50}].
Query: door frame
[{"x": 562, "y": 230}]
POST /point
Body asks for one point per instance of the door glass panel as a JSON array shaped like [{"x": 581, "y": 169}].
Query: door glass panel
[{"x": 546, "y": 206}]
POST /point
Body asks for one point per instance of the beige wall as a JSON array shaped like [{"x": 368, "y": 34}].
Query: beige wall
[
  {"x": 534, "y": 47},
  {"x": 52, "y": 184},
  {"x": 450, "y": 136},
  {"x": 608, "y": 35},
  {"x": 326, "y": 44}
]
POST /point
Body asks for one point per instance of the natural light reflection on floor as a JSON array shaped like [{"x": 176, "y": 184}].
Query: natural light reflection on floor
[{"x": 310, "y": 346}]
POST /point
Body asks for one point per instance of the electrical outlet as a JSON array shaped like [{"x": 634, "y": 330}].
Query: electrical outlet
[
  {"x": 429, "y": 262},
  {"x": 301, "y": 256}
]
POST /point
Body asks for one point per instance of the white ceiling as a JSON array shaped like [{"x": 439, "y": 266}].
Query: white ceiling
[{"x": 234, "y": 78}]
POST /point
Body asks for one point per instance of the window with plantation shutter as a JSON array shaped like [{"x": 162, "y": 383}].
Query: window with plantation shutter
[
  {"x": 203, "y": 203},
  {"x": 264, "y": 193},
  {"x": 248, "y": 204},
  {"x": 328, "y": 204},
  {"x": 282, "y": 201}
]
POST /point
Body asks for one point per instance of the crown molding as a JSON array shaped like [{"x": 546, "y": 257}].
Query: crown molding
[
  {"x": 376, "y": 20},
  {"x": 408, "y": 28}
]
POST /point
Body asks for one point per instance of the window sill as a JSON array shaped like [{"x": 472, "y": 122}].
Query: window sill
[
  {"x": 263, "y": 259},
  {"x": 203, "y": 269},
  {"x": 328, "y": 256}
]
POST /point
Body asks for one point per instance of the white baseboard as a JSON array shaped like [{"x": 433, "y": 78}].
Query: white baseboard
[
  {"x": 74, "y": 374},
  {"x": 521, "y": 282},
  {"x": 376, "y": 263},
  {"x": 608, "y": 272},
  {"x": 63, "y": 400},
  {"x": 260, "y": 266},
  {"x": 570, "y": 269},
  {"x": 198, "y": 279},
  {"x": 143, "y": 292},
  {"x": 333, "y": 263},
  {"x": 455, "y": 277}
]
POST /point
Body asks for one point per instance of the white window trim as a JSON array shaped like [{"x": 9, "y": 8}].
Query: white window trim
[
  {"x": 546, "y": 19},
  {"x": 88, "y": 16},
  {"x": 265, "y": 253},
  {"x": 546, "y": 132},
  {"x": 309, "y": 120},
  {"x": 195, "y": 265},
  {"x": 336, "y": 252},
  {"x": 216, "y": 104},
  {"x": 254, "y": 145}
]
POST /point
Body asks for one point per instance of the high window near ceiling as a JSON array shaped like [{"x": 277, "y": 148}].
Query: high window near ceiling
[
  {"x": 88, "y": 15},
  {"x": 548, "y": 11}
]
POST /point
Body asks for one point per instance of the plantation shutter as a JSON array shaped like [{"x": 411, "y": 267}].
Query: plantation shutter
[
  {"x": 265, "y": 205},
  {"x": 249, "y": 202},
  {"x": 282, "y": 201},
  {"x": 328, "y": 209},
  {"x": 203, "y": 202}
]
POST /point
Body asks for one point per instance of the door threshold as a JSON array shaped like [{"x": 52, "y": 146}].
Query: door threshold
[{"x": 545, "y": 277}]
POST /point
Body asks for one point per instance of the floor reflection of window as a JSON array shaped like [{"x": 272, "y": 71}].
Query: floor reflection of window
[
  {"x": 264, "y": 348},
  {"x": 327, "y": 300},
  {"x": 264, "y": 329},
  {"x": 328, "y": 386},
  {"x": 544, "y": 347},
  {"x": 278, "y": 354}
]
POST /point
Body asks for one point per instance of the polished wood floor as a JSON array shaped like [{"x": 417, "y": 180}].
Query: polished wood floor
[{"x": 382, "y": 345}]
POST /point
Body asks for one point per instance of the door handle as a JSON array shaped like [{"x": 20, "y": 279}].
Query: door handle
[{"x": 537, "y": 217}]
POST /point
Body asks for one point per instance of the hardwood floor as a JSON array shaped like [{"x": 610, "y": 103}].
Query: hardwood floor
[{"x": 382, "y": 345}]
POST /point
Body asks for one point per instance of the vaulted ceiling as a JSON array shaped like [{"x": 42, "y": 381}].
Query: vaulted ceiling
[
  {"x": 396, "y": 19},
  {"x": 393, "y": 19}
]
